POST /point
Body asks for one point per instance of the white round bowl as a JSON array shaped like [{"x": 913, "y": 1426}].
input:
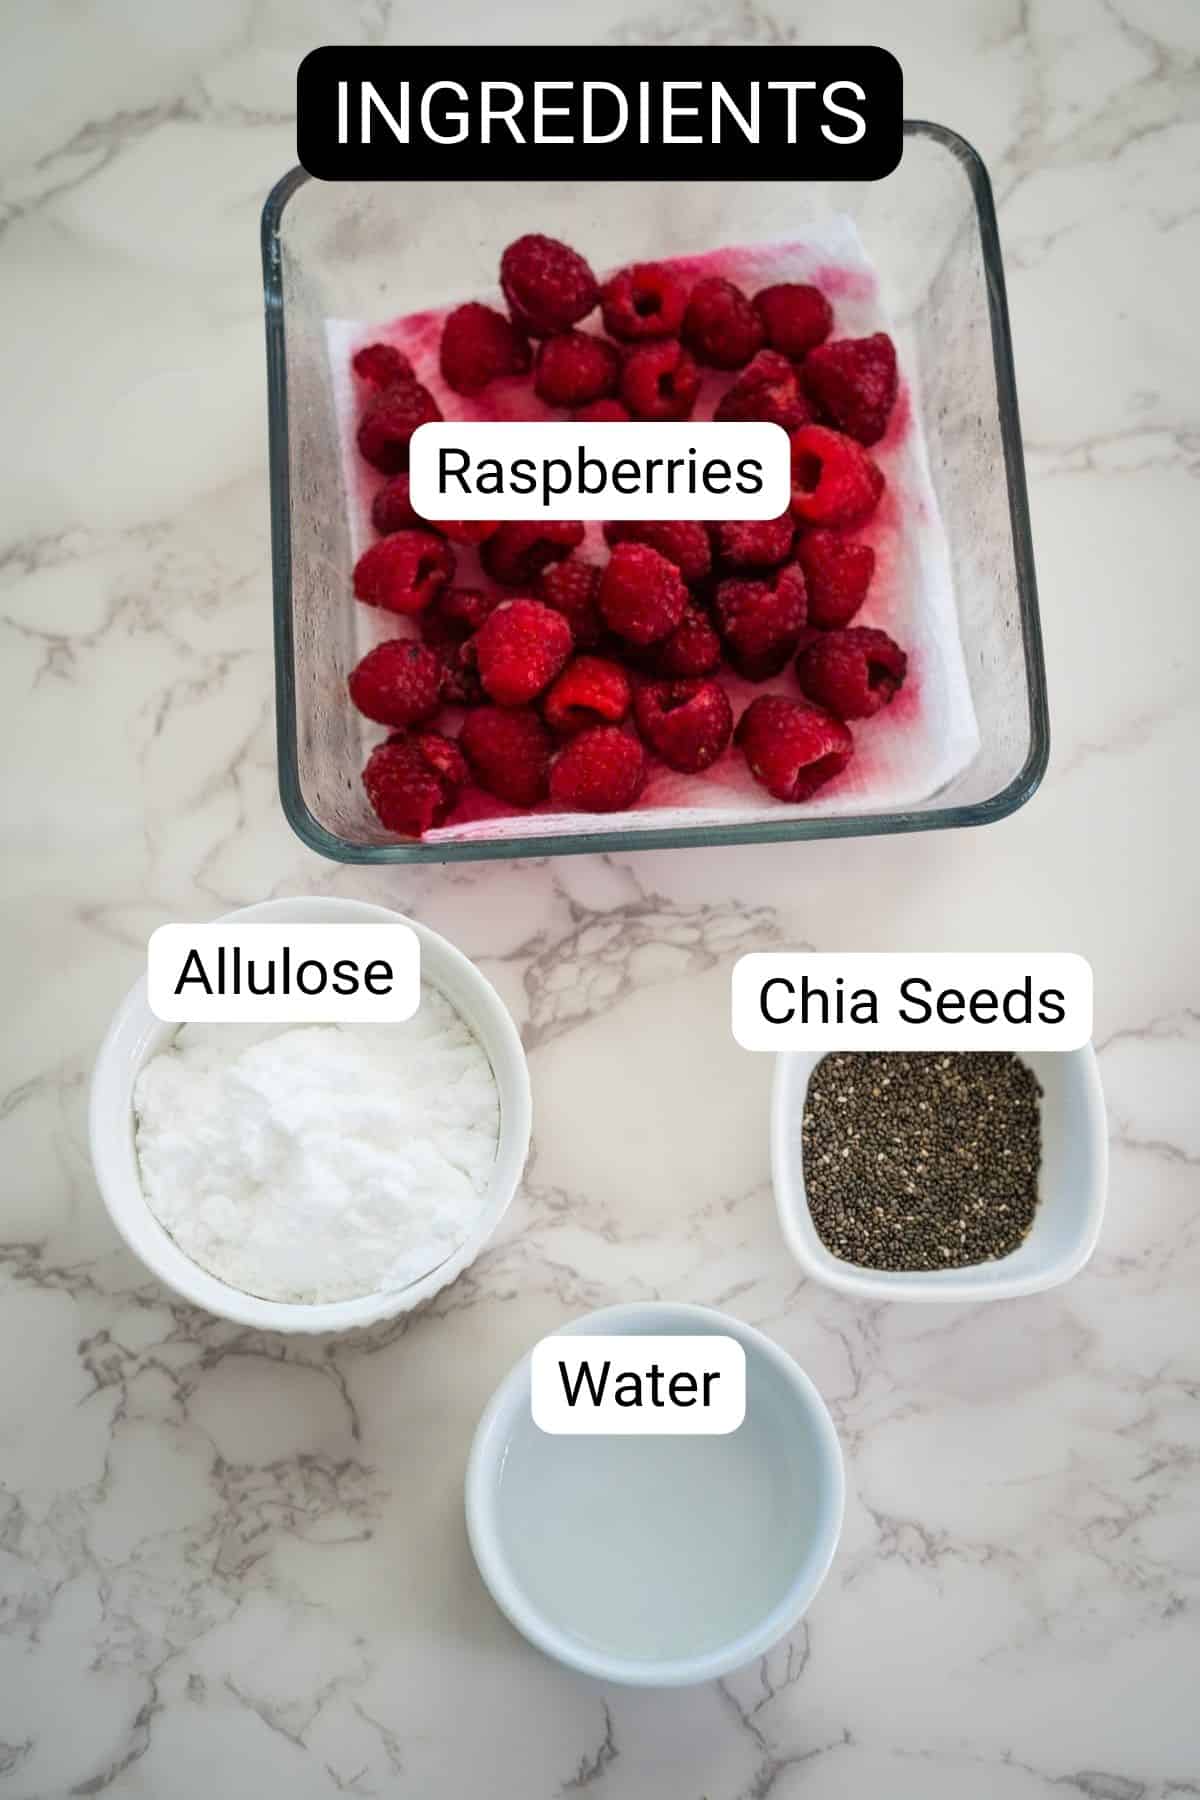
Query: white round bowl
[
  {"x": 620, "y": 1574},
  {"x": 1072, "y": 1185},
  {"x": 135, "y": 1035}
]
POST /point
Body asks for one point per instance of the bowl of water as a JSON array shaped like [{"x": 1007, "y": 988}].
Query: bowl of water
[{"x": 658, "y": 1561}]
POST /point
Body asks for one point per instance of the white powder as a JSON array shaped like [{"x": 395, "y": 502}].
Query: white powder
[{"x": 321, "y": 1162}]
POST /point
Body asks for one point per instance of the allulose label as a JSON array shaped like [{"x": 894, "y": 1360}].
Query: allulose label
[{"x": 225, "y": 973}]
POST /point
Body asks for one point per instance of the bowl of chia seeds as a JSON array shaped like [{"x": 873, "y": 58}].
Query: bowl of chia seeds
[{"x": 939, "y": 1175}]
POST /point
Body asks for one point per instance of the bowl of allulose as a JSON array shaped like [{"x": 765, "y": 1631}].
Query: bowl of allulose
[
  {"x": 314, "y": 1177},
  {"x": 939, "y": 1175}
]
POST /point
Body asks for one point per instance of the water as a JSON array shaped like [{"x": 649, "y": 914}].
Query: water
[{"x": 654, "y": 1548}]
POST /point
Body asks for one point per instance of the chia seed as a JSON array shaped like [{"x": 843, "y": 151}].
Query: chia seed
[{"x": 922, "y": 1160}]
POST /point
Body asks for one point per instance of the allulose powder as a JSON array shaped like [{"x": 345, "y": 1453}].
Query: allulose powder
[
  {"x": 921, "y": 1160},
  {"x": 321, "y": 1162}
]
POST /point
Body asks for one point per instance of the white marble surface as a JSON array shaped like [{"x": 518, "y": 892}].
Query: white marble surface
[{"x": 230, "y": 1564}]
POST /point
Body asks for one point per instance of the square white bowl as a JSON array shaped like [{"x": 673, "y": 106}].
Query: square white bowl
[{"x": 1072, "y": 1184}]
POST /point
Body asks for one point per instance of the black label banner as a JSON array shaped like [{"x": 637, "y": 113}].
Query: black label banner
[{"x": 576, "y": 113}]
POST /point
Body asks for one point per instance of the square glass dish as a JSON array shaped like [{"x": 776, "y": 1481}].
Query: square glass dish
[{"x": 371, "y": 250}]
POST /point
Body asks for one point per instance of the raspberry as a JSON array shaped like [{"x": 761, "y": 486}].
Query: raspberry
[
  {"x": 853, "y": 384},
  {"x": 382, "y": 365},
  {"x": 834, "y": 481},
  {"x": 548, "y": 286},
  {"x": 444, "y": 755},
  {"x": 760, "y": 621},
  {"x": 769, "y": 389},
  {"x": 397, "y": 683},
  {"x": 570, "y": 587},
  {"x": 461, "y": 685},
  {"x": 478, "y": 344},
  {"x": 466, "y": 531},
  {"x": 389, "y": 422},
  {"x": 795, "y": 317},
  {"x": 601, "y": 770},
  {"x": 519, "y": 649},
  {"x": 693, "y": 648},
  {"x": 509, "y": 753},
  {"x": 682, "y": 541},
  {"x": 754, "y": 543},
  {"x": 791, "y": 748},
  {"x": 720, "y": 327},
  {"x": 642, "y": 595},
  {"x": 403, "y": 572},
  {"x": 413, "y": 780},
  {"x": 852, "y": 673},
  {"x": 517, "y": 553},
  {"x": 574, "y": 368},
  {"x": 455, "y": 613},
  {"x": 602, "y": 412},
  {"x": 837, "y": 572},
  {"x": 392, "y": 509},
  {"x": 660, "y": 381},
  {"x": 591, "y": 690},
  {"x": 446, "y": 626},
  {"x": 646, "y": 300},
  {"x": 689, "y": 723}
]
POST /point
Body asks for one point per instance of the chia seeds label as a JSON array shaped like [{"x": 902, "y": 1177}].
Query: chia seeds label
[{"x": 952, "y": 1001}]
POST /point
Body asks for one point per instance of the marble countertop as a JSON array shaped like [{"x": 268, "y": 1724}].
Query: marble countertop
[{"x": 235, "y": 1564}]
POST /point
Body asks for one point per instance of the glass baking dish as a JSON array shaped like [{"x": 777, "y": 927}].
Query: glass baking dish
[{"x": 374, "y": 249}]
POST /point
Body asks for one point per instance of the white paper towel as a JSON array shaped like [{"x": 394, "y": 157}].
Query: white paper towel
[{"x": 902, "y": 756}]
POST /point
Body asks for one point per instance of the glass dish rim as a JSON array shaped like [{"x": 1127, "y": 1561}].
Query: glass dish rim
[{"x": 997, "y": 806}]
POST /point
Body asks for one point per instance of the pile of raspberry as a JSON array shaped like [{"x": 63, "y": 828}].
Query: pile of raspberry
[{"x": 567, "y": 678}]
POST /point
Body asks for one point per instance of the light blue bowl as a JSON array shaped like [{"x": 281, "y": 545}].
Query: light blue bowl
[{"x": 659, "y": 1561}]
